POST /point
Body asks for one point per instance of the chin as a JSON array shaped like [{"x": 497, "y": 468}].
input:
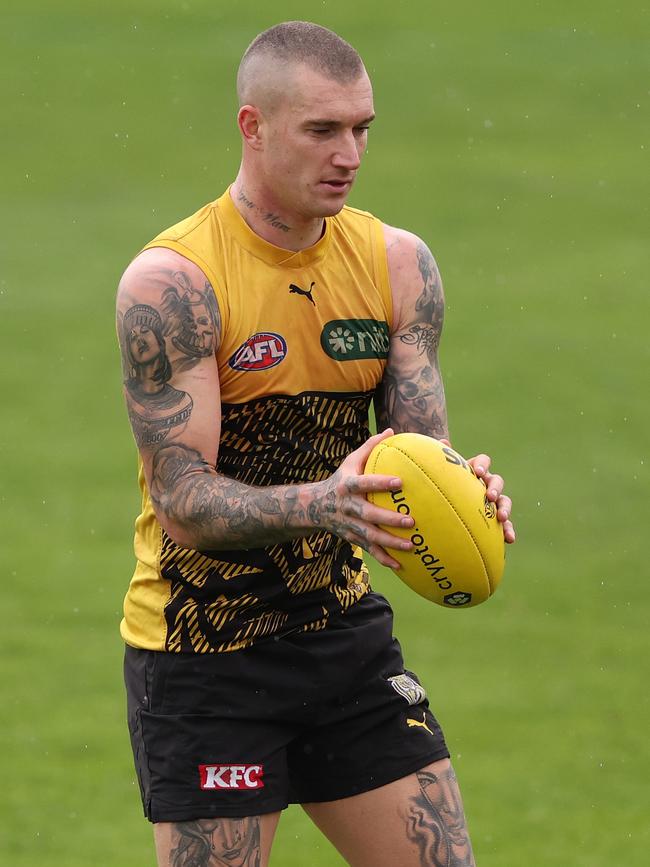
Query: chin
[
  {"x": 332, "y": 210},
  {"x": 325, "y": 204},
  {"x": 329, "y": 208}
]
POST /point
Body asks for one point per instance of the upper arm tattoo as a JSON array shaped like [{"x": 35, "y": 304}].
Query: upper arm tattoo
[
  {"x": 158, "y": 342},
  {"x": 192, "y": 319},
  {"x": 430, "y": 308},
  {"x": 411, "y": 396}
]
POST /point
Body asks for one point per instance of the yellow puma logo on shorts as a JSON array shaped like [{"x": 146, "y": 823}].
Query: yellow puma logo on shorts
[{"x": 411, "y": 723}]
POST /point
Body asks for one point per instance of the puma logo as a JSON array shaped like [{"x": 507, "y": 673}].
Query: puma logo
[
  {"x": 306, "y": 292},
  {"x": 411, "y": 723}
]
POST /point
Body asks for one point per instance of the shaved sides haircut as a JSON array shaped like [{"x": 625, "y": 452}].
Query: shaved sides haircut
[{"x": 296, "y": 42}]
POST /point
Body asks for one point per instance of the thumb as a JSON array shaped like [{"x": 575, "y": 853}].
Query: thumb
[
  {"x": 363, "y": 452},
  {"x": 374, "y": 440}
]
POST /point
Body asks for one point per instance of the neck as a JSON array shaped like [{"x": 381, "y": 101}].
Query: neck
[{"x": 268, "y": 220}]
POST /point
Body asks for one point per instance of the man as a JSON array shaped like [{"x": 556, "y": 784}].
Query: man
[{"x": 260, "y": 668}]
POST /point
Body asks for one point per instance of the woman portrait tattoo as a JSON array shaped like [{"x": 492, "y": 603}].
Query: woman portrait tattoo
[
  {"x": 435, "y": 822},
  {"x": 154, "y": 406},
  {"x": 216, "y": 843}
]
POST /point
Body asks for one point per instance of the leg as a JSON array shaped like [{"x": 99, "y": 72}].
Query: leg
[
  {"x": 417, "y": 821},
  {"x": 216, "y": 842}
]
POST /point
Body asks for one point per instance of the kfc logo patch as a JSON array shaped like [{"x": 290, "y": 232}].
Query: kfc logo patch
[
  {"x": 231, "y": 776},
  {"x": 261, "y": 351}
]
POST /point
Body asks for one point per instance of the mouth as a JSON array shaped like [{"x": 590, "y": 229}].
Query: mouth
[{"x": 337, "y": 186}]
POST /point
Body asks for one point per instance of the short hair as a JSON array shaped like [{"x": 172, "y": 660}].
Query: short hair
[{"x": 303, "y": 42}]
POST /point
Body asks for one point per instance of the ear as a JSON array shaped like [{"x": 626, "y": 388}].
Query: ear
[{"x": 250, "y": 123}]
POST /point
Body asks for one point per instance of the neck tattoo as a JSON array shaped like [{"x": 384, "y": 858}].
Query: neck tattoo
[{"x": 268, "y": 216}]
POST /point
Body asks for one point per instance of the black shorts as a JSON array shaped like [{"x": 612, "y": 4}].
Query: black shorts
[{"x": 314, "y": 716}]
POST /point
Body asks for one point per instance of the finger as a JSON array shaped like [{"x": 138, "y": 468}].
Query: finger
[
  {"x": 377, "y": 536},
  {"x": 494, "y": 484},
  {"x": 509, "y": 532},
  {"x": 361, "y": 455},
  {"x": 480, "y": 464},
  {"x": 370, "y": 535},
  {"x": 372, "y": 482},
  {"x": 372, "y": 441},
  {"x": 359, "y": 507},
  {"x": 383, "y": 557},
  {"x": 380, "y": 554},
  {"x": 504, "y": 507}
]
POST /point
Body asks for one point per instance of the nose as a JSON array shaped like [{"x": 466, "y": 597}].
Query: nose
[{"x": 348, "y": 153}]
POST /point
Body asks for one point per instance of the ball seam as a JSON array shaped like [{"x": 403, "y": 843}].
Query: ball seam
[{"x": 453, "y": 508}]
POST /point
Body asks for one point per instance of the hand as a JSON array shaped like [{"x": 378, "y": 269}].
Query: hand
[
  {"x": 339, "y": 504},
  {"x": 494, "y": 484}
]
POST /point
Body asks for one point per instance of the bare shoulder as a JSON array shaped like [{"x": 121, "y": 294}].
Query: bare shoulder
[
  {"x": 400, "y": 244},
  {"x": 152, "y": 270},
  {"x": 414, "y": 277}
]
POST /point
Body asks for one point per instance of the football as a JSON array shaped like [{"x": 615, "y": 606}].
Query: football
[{"x": 458, "y": 553}]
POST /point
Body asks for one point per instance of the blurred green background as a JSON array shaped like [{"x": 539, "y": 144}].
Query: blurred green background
[{"x": 515, "y": 140}]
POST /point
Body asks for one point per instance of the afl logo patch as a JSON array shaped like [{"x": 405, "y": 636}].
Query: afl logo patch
[{"x": 261, "y": 351}]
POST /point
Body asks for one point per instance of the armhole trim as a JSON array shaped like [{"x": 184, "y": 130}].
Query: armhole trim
[{"x": 380, "y": 261}]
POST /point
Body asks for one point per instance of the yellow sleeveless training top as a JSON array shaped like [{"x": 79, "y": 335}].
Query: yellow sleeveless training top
[{"x": 304, "y": 344}]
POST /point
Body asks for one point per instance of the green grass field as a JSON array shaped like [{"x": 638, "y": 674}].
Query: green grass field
[{"x": 516, "y": 141}]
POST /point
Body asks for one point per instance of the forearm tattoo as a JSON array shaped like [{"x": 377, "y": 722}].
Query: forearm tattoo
[
  {"x": 218, "y": 509},
  {"x": 435, "y": 822},
  {"x": 222, "y": 512},
  {"x": 216, "y": 843},
  {"x": 411, "y": 396}
]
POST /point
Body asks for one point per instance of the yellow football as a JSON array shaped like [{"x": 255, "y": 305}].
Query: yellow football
[{"x": 458, "y": 552}]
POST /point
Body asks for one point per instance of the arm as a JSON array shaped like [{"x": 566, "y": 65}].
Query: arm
[
  {"x": 169, "y": 329},
  {"x": 411, "y": 396}
]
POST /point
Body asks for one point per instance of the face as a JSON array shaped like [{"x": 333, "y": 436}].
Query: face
[
  {"x": 143, "y": 344},
  {"x": 313, "y": 141},
  {"x": 197, "y": 335}
]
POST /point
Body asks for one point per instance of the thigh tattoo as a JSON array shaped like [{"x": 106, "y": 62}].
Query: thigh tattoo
[
  {"x": 435, "y": 822},
  {"x": 216, "y": 843}
]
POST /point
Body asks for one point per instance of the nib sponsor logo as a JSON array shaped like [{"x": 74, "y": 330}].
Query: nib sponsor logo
[
  {"x": 261, "y": 351},
  {"x": 353, "y": 339},
  {"x": 231, "y": 776}
]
